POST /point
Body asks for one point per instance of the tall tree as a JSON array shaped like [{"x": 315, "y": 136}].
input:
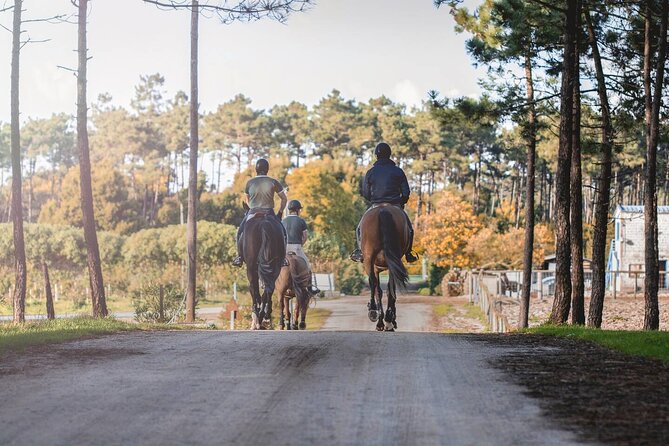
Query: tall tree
[
  {"x": 562, "y": 300},
  {"x": 576, "y": 191},
  {"x": 227, "y": 12},
  {"x": 90, "y": 234},
  {"x": 19, "y": 297},
  {"x": 653, "y": 103},
  {"x": 603, "y": 192}
]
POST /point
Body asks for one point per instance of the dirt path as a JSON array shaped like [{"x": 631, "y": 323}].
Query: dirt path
[
  {"x": 414, "y": 313},
  {"x": 269, "y": 388}
]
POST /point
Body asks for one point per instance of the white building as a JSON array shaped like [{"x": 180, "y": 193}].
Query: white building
[{"x": 626, "y": 255}]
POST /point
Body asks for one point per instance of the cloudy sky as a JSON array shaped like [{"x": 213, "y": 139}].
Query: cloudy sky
[{"x": 364, "y": 48}]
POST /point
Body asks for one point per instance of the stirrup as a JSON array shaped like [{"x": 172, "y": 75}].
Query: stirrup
[
  {"x": 237, "y": 262},
  {"x": 285, "y": 262}
]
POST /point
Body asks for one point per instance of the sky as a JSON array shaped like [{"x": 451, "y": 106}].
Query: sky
[{"x": 363, "y": 48}]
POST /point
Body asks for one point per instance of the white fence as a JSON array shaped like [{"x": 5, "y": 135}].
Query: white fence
[{"x": 480, "y": 294}]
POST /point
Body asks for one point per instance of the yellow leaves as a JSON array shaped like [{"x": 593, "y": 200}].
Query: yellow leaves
[{"x": 443, "y": 235}]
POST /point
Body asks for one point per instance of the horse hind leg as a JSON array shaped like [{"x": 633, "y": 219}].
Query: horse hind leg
[
  {"x": 391, "y": 311},
  {"x": 372, "y": 309},
  {"x": 380, "y": 326},
  {"x": 296, "y": 313}
]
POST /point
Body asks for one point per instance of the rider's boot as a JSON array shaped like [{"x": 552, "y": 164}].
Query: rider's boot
[
  {"x": 356, "y": 255},
  {"x": 410, "y": 255},
  {"x": 237, "y": 261}
]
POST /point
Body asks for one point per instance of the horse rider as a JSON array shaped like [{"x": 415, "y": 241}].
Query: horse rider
[
  {"x": 385, "y": 182},
  {"x": 296, "y": 228},
  {"x": 260, "y": 192}
]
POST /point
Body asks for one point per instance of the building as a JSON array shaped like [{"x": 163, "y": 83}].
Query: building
[{"x": 626, "y": 255}]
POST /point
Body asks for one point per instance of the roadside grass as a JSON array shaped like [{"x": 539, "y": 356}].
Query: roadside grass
[
  {"x": 653, "y": 344},
  {"x": 473, "y": 311},
  {"x": 115, "y": 304},
  {"x": 442, "y": 310},
  {"x": 316, "y": 318},
  {"x": 34, "y": 333},
  {"x": 20, "y": 336}
]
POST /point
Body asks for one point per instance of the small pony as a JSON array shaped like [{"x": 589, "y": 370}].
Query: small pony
[
  {"x": 294, "y": 281},
  {"x": 384, "y": 238}
]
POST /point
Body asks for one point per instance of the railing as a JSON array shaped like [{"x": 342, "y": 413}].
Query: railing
[{"x": 488, "y": 302}]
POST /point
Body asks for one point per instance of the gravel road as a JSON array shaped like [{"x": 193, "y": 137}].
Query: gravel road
[
  {"x": 267, "y": 388},
  {"x": 350, "y": 313}
]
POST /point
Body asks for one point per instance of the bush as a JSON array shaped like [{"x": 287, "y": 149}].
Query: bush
[
  {"x": 147, "y": 303},
  {"x": 351, "y": 279}
]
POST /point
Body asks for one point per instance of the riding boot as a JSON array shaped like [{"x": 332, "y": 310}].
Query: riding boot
[
  {"x": 410, "y": 256},
  {"x": 356, "y": 255}
]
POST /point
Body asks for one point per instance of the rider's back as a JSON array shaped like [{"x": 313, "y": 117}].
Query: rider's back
[
  {"x": 385, "y": 182},
  {"x": 261, "y": 190}
]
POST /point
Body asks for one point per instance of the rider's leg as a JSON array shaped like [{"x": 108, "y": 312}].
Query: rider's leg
[
  {"x": 356, "y": 255},
  {"x": 239, "y": 260},
  {"x": 410, "y": 256},
  {"x": 299, "y": 250}
]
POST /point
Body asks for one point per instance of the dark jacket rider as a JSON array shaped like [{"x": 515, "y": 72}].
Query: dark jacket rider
[
  {"x": 385, "y": 182},
  {"x": 260, "y": 192}
]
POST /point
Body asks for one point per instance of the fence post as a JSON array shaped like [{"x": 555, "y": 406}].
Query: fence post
[
  {"x": 615, "y": 283},
  {"x": 233, "y": 316}
]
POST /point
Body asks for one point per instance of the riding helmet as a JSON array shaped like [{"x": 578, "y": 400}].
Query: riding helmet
[
  {"x": 262, "y": 166},
  {"x": 294, "y": 205},
  {"x": 382, "y": 150}
]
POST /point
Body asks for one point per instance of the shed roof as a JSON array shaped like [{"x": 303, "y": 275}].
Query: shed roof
[{"x": 638, "y": 209}]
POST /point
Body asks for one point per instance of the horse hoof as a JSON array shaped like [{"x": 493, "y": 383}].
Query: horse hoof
[
  {"x": 380, "y": 328},
  {"x": 373, "y": 315},
  {"x": 295, "y": 327},
  {"x": 266, "y": 325},
  {"x": 389, "y": 326},
  {"x": 303, "y": 325}
]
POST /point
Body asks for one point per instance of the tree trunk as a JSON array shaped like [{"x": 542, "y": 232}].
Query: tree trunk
[
  {"x": 19, "y": 297},
  {"x": 653, "y": 104},
  {"x": 576, "y": 196},
  {"x": 531, "y": 135},
  {"x": 50, "y": 312},
  {"x": 603, "y": 191},
  {"x": 562, "y": 301},
  {"x": 191, "y": 226},
  {"x": 90, "y": 234}
]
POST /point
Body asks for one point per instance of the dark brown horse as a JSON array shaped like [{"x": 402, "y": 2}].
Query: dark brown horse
[
  {"x": 294, "y": 281},
  {"x": 384, "y": 240},
  {"x": 264, "y": 250}
]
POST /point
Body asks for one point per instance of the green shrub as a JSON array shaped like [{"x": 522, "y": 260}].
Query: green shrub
[
  {"x": 147, "y": 303},
  {"x": 351, "y": 279},
  {"x": 424, "y": 291}
]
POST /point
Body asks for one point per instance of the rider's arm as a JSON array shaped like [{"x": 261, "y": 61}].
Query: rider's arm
[
  {"x": 404, "y": 188},
  {"x": 366, "y": 189},
  {"x": 284, "y": 200},
  {"x": 305, "y": 235}
]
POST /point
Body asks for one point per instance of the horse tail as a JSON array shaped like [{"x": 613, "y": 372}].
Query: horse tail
[
  {"x": 393, "y": 253},
  {"x": 266, "y": 263}
]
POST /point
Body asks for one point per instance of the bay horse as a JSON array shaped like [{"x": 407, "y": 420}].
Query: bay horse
[
  {"x": 294, "y": 281},
  {"x": 384, "y": 237},
  {"x": 263, "y": 247}
]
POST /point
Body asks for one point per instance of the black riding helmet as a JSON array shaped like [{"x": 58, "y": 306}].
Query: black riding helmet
[
  {"x": 262, "y": 166},
  {"x": 382, "y": 151},
  {"x": 294, "y": 205}
]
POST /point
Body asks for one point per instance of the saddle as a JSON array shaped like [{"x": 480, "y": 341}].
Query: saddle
[{"x": 260, "y": 213}]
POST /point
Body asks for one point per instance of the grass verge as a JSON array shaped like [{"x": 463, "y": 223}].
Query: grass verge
[
  {"x": 20, "y": 336},
  {"x": 316, "y": 318},
  {"x": 442, "y": 310},
  {"x": 653, "y": 344}
]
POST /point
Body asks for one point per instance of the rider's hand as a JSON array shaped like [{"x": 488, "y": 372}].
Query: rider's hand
[{"x": 280, "y": 215}]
